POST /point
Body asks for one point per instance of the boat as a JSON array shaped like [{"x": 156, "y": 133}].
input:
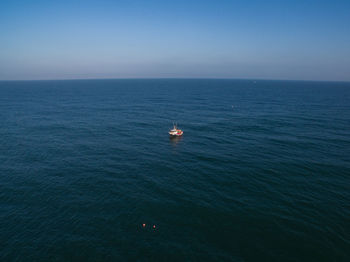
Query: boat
[{"x": 175, "y": 132}]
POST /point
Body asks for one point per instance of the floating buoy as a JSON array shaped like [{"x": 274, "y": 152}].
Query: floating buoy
[
  {"x": 143, "y": 225},
  {"x": 154, "y": 226}
]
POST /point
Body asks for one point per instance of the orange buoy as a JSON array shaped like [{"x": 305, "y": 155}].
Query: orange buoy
[{"x": 143, "y": 225}]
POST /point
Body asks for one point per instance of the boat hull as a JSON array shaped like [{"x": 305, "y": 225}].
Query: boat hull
[{"x": 175, "y": 134}]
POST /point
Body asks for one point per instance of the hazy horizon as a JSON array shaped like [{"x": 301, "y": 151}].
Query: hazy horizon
[
  {"x": 270, "y": 40},
  {"x": 177, "y": 78}
]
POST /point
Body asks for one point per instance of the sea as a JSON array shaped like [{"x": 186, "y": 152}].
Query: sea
[{"x": 88, "y": 171}]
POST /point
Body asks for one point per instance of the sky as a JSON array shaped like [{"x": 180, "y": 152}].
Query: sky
[{"x": 251, "y": 39}]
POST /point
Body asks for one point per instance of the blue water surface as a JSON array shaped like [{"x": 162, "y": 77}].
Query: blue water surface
[{"x": 262, "y": 172}]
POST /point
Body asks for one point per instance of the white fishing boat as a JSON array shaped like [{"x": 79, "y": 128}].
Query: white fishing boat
[{"x": 175, "y": 132}]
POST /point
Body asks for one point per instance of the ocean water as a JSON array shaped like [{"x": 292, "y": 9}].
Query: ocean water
[{"x": 262, "y": 172}]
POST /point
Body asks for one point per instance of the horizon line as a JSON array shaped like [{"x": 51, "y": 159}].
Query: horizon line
[{"x": 176, "y": 78}]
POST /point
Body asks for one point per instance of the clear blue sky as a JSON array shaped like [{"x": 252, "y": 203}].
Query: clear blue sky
[{"x": 284, "y": 39}]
